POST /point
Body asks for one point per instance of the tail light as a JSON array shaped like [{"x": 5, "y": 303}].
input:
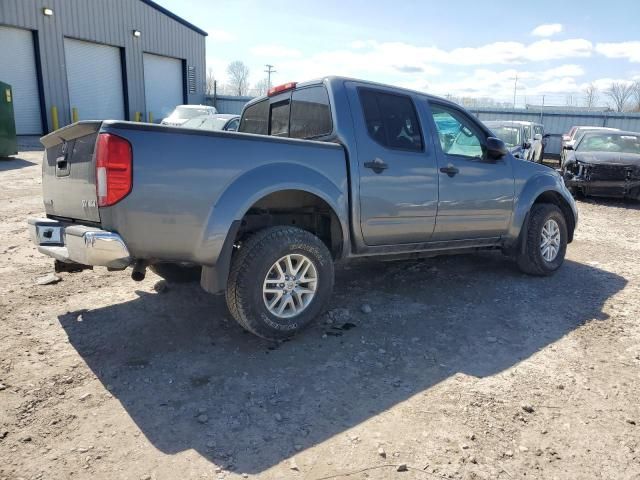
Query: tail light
[{"x": 113, "y": 169}]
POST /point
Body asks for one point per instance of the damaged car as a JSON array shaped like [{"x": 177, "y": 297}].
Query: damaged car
[{"x": 605, "y": 164}]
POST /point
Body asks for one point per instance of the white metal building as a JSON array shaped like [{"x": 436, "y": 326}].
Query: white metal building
[{"x": 97, "y": 59}]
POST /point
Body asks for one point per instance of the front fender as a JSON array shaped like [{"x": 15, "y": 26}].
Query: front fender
[
  {"x": 528, "y": 189},
  {"x": 255, "y": 184}
]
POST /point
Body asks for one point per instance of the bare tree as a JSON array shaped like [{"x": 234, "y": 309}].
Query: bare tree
[
  {"x": 591, "y": 95},
  {"x": 210, "y": 82},
  {"x": 261, "y": 87},
  {"x": 636, "y": 95},
  {"x": 238, "y": 77},
  {"x": 619, "y": 93}
]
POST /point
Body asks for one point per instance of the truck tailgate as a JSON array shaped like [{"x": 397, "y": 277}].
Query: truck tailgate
[{"x": 69, "y": 173}]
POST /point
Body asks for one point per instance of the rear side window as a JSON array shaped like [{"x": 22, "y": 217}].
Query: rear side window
[
  {"x": 310, "y": 113},
  {"x": 256, "y": 118},
  {"x": 391, "y": 120}
]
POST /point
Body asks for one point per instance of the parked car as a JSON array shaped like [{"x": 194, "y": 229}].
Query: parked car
[
  {"x": 327, "y": 170},
  {"x": 574, "y": 134},
  {"x": 219, "y": 121},
  {"x": 525, "y": 140},
  {"x": 182, "y": 113},
  {"x": 604, "y": 163}
]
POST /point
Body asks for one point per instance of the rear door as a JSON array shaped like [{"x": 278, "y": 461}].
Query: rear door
[
  {"x": 397, "y": 168},
  {"x": 475, "y": 193},
  {"x": 69, "y": 174}
]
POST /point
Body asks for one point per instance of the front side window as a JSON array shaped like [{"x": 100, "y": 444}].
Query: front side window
[
  {"x": 310, "y": 113},
  {"x": 391, "y": 120},
  {"x": 456, "y": 133},
  {"x": 527, "y": 133}
]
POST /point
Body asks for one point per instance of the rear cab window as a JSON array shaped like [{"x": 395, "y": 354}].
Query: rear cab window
[{"x": 304, "y": 114}]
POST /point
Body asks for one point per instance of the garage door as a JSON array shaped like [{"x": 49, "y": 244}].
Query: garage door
[
  {"x": 94, "y": 76},
  {"x": 18, "y": 69},
  {"x": 163, "y": 85}
]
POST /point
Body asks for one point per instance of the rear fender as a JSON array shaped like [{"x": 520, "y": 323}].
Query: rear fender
[{"x": 225, "y": 216}]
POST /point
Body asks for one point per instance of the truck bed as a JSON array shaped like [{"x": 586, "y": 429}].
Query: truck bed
[{"x": 182, "y": 181}]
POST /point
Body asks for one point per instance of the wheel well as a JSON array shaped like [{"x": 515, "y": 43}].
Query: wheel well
[
  {"x": 556, "y": 199},
  {"x": 299, "y": 208}
]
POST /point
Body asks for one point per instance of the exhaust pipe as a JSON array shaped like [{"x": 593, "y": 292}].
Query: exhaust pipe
[{"x": 139, "y": 271}]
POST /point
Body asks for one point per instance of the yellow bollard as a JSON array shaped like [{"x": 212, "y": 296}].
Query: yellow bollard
[
  {"x": 150, "y": 117},
  {"x": 54, "y": 118},
  {"x": 74, "y": 114},
  {"x": 138, "y": 117}
]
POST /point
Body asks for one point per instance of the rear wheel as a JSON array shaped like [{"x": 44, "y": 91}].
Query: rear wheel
[
  {"x": 545, "y": 240},
  {"x": 280, "y": 280}
]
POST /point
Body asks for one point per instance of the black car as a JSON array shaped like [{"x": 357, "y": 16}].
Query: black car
[{"x": 604, "y": 164}]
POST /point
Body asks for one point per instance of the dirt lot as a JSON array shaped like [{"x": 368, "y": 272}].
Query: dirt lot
[{"x": 464, "y": 368}]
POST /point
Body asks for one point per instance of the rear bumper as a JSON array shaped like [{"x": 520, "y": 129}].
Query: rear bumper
[{"x": 72, "y": 243}]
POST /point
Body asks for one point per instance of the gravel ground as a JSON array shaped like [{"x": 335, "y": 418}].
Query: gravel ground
[{"x": 462, "y": 368}]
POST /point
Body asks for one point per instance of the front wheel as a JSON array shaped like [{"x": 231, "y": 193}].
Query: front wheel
[
  {"x": 545, "y": 241},
  {"x": 280, "y": 280}
]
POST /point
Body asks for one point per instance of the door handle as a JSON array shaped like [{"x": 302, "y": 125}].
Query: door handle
[
  {"x": 377, "y": 165},
  {"x": 450, "y": 170}
]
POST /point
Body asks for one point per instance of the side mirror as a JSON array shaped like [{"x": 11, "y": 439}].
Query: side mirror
[
  {"x": 537, "y": 137},
  {"x": 526, "y": 145},
  {"x": 496, "y": 148},
  {"x": 546, "y": 135},
  {"x": 568, "y": 146}
]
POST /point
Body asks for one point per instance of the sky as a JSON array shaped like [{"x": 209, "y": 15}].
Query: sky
[{"x": 461, "y": 48}]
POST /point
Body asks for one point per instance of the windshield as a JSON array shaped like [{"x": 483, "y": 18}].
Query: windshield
[
  {"x": 206, "y": 123},
  {"x": 185, "y": 112},
  {"x": 607, "y": 142},
  {"x": 509, "y": 135}
]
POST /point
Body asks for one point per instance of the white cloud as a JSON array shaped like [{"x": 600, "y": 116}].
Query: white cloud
[
  {"x": 220, "y": 36},
  {"x": 629, "y": 50},
  {"x": 275, "y": 51},
  {"x": 547, "y": 29},
  {"x": 499, "y": 84},
  {"x": 561, "y": 71},
  {"x": 493, "y": 53}
]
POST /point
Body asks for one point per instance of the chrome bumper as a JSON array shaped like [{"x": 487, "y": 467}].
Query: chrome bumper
[{"x": 79, "y": 244}]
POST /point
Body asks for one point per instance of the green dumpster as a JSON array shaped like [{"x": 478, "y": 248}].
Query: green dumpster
[{"x": 8, "y": 140}]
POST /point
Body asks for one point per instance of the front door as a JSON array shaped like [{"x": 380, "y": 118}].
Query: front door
[
  {"x": 396, "y": 167},
  {"x": 476, "y": 193}
]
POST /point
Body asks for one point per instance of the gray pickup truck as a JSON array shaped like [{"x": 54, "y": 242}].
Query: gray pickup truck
[{"x": 321, "y": 171}]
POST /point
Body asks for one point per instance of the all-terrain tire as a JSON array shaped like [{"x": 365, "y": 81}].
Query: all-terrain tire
[
  {"x": 530, "y": 259},
  {"x": 176, "y": 273},
  {"x": 249, "y": 268}
]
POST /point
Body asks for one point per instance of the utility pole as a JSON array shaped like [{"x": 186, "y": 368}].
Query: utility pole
[
  {"x": 515, "y": 88},
  {"x": 269, "y": 71}
]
